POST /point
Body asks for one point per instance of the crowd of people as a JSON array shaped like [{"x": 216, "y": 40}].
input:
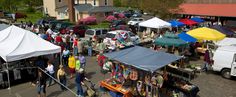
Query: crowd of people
[{"x": 72, "y": 55}]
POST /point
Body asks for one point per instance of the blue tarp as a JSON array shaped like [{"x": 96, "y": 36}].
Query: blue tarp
[
  {"x": 175, "y": 23},
  {"x": 186, "y": 37},
  {"x": 223, "y": 30},
  {"x": 199, "y": 20},
  {"x": 143, "y": 58}
]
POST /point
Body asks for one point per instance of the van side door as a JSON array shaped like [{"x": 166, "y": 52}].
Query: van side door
[{"x": 233, "y": 67}]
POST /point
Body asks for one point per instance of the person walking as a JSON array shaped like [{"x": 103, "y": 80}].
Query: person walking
[
  {"x": 75, "y": 46},
  {"x": 82, "y": 60},
  {"x": 80, "y": 77},
  {"x": 41, "y": 84},
  {"x": 71, "y": 64},
  {"x": 50, "y": 70},
  {"x": 61, "y": 76},
  {"x": 77, "y": 64},
  {"x": 90, "y": 48},
  {"x": 80, "y": 46},
  {"x": 65, "y": 56}
]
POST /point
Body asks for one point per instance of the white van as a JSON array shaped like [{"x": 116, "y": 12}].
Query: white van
[{"x": 225, "y": 61}]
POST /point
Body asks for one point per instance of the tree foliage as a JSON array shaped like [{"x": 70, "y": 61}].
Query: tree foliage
[
  {"x": 14, "y": 5},
  {"x": 159, "y": 8}
]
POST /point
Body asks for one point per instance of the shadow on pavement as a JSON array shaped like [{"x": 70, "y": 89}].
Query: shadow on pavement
[
  {"x": 71, "y": 86},
  {"x": 54, "y": 94},
  {"x": 89, "y": 74}
]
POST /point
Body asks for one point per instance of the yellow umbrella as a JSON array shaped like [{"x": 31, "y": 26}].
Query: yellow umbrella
[{"x": 205, "y": 33}]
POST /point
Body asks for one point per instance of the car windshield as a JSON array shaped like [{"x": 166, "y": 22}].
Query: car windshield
[
  {"x": 89, "y": 32},
  {"x": 110, "y": 35}
]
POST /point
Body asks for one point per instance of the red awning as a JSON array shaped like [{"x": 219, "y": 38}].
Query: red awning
[
  {"x": 188, "y": 22},
  {"x": 225, "y": 10}
]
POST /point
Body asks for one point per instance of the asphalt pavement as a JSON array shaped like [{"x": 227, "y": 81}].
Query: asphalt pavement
[{"x": 211, "y": 84}]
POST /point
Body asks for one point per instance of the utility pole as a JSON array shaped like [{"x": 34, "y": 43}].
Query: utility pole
[{"x": 71, "y": 10}]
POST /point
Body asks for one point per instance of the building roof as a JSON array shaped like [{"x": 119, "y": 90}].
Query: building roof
[
  {"x": 102, "y": 9},
  {"x": 83, "y": 7},
  {"x": 224, "y": 10},
  {"x": 89, "y": 8}
]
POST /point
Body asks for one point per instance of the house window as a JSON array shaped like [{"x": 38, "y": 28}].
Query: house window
[
  {"x": 59, "y": 0},
  {"x": 85, "y": 1},
  {"x": 94, "y": 2},
  {"x": 105, "y": 2},
  {"x": 46, "y": 10}
]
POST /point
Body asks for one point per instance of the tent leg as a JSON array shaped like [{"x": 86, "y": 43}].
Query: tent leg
[
  {"x": 8, "y": 78},
  {"x": 60, "y": 58}
]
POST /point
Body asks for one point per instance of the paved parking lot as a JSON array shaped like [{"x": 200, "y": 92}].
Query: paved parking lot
[{"x": 210, "y": 84}]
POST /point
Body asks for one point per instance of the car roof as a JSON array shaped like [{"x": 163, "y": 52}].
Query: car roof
[
  {"x": 99, "y": 29},
  {"x": 137, "y": 18},
  {"x": 228, "y": 48},
  {"x": 117, "y": 31}
]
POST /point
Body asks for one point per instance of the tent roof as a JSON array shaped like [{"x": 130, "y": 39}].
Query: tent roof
[
  {"x": 188, "y": 21},
  {"x": 17, "y": 43},
  {"x": 223, "y": 30},
  {"x": 175, "y": 23},
  {"x": 143, "y": 58},
  {"x": 155, "y": 23},
  {"x": 196, "y": 19},
  {"x": 186, "y": 37},
  {"x": 227, "y": 42},
  {"x": 3, "y": 26}
]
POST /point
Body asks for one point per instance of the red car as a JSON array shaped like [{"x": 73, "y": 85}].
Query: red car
[
  {"x": 88, "y": 20},
  {"x": 79, "y": 30}
]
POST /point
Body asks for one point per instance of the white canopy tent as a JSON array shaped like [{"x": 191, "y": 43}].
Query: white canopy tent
[
  {"x": 227, "y": 42},
  {"x": 155, "y": 23},
  {"x": 17, "y": 43}
]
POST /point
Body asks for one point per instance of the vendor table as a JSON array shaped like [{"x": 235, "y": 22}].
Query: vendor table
[
  {"x": 201, "y": 50},
  {"x": 181, "y": 72},
  {"x": 116, "y": 88}
]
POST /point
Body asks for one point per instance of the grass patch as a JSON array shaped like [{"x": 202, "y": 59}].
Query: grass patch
[
  {"x": 33, "y": 17},
  {"x": 100, "y": 25}
]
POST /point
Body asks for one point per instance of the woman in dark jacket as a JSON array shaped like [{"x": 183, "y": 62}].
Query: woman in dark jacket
[{"x": 41, "y": 84}]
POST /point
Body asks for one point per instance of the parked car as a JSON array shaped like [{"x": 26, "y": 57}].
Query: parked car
[
  {"x": 135, "y": 21},
  {"x": 78, "y": 30},
  {"x": 120, "y": 27},
  {"x": 61, "y": 27},
  {"x": 117, "y": 22},
  {"x": 88, "y": 20},
  {"x": 124, "y": 38},
  {"x": 95, "y": 33},
  {"x": 137, "y": 14},
  {"x": 225, "y": 61}
]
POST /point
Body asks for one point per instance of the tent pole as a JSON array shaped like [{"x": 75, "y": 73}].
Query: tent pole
[
  {"x": 60, "y": 58},
  {"x": 8, "y": 78}
]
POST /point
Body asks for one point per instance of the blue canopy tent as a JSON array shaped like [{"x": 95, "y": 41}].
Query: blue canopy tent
[
  {"x": 196, "y": 19},
  {"x": 143, "y": 58},
  {"x": 186, "y": 37},
  {"x": 223, "y": 30},
  {"x": 175, "y": 23}
]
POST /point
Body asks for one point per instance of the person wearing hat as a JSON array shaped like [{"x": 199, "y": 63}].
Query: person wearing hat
[
  {"x": 61, "y": 76},
  {"x": 80, "y": 77}
]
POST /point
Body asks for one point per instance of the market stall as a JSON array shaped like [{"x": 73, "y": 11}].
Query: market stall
[
  {"x": 136, "y": 71},
  {"x": 18, "y": 44},
  {"x": 206, "y": 34}
]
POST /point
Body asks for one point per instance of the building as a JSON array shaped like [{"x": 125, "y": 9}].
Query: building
[
  {"x": 83, "y": 8},
  {"x": 216, "y": 8}
]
